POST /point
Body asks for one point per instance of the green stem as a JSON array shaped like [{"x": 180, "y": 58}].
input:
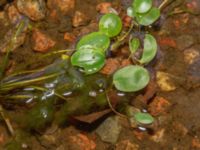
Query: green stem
[
  {"x": 10, "y": 86},
  {"x": 44, "y": 89},
  {"x": 122, "y": 38},
  {"x": 57, "y": 52}
]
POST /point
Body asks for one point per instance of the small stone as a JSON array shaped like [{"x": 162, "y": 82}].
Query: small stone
[
  {"x": 184, "y": 41},
  {"x": 63, "y": 6},
  {"x": 13, "y": 14},
  {"x": 158, "y": 137},
  {"x": 79, "y": 19},
  {"x": 158, "y": 106},
  {"x": 164, "y": 81},
  {"x": 196, "y": 143},
  {"x": 34, "y": 9},
  {"x": 126, "y": 145},
  {"x": 41, "y": 42},
  {"x": 109, "y": 130},
  {"x": 191, "y": 55},
  {"x": 69, "y": 37},
  {"x": 103, "y": 7}
]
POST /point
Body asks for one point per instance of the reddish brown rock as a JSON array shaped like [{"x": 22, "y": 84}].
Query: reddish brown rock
[
  {"x": 69, "y": 37},
  {"x": 79, "y": 19},
  {"x": 103, "y": 7},
  {"x": 158, "y": 106},
  {"x": 62, "y": 6},
  {"x": 41, "y": 42},
  {"x": 196, "y": 143},
  {"x": 13, "y": 14},
  {"x": 34, "y": 9}
]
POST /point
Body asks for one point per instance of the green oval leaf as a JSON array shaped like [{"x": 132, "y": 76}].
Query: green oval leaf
[
  {"x": 150, "y": 49},
  {"x": 144, "y": 118},
  {"x": 142, "y": 6},
  {"x": 91, "y": 60},
  {"x": 148, "y": 18},
  {"x": 131, "y": 78},
  {"x": 110, "y": 25},
  {"x": 95, "y": 39},
  {"x": 130, "y": 12},
  {"x": 134, "y": 45}
]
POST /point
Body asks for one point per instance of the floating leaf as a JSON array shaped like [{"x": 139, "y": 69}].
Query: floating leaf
[
  {"x": 131, "y": 78},
  {"x": 148, "y": 18},
  {"x": 150, "y": 49},
  {"x": 144, "y": 118},
  {"x": 91, "y": 60},
  {"x": 142, "y": 6},
  {"x": 110, "y": 25},
  {"x": 95, "y": 39},
  {"x": 134, "y": 45}
]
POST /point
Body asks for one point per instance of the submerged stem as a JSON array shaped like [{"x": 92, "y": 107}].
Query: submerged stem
[
  {"x": 10, "y": 86},
  {"x": 44, "y": 89},
  {"x": 111, "y": 107}
]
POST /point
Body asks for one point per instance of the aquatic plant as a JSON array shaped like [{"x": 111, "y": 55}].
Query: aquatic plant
[
  {"x": 47, "y": 85},
  {"x": 90, "y": 50}
]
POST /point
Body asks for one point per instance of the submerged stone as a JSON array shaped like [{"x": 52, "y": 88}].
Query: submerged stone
[{"x": 109, "y": 130}]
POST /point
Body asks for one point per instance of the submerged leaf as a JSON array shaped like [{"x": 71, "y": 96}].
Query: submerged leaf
[
  {"x": 95, "y": 39},
  {"x": 134, "y": 45},
  {"x": 150, "y": 49},
  {"x": 144, "y": 118},
  {"x": 91, "y": 60},
  {"x": 131, "y": 78},
  {"x": 110, "y": 25},
  {"x": 148, "y": 18},
  {"x": 142, "y": 6}
]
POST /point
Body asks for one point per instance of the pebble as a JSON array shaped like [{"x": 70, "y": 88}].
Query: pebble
[
  {"x": 164, "y": 81},
  {"x": 103, "y": 7},
  {"x": 191, "y": 55},
  {"x": 158, "y": 106},
  {"x": 13, "y": 14},
  {"x": 41, "y": 42},
  {"x": 109, "y": 130},
  {"x": 158, "y": 137},
  {"x": 34, "y": 9},
  {"x": 79, "y": 19},
  {"x": 62, "y": 6}
]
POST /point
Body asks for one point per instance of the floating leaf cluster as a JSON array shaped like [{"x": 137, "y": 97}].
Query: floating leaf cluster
[{"x": 91, "y": 49}]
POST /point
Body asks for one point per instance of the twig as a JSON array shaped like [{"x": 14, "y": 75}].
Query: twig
[{"x": 7, "y": 121}]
